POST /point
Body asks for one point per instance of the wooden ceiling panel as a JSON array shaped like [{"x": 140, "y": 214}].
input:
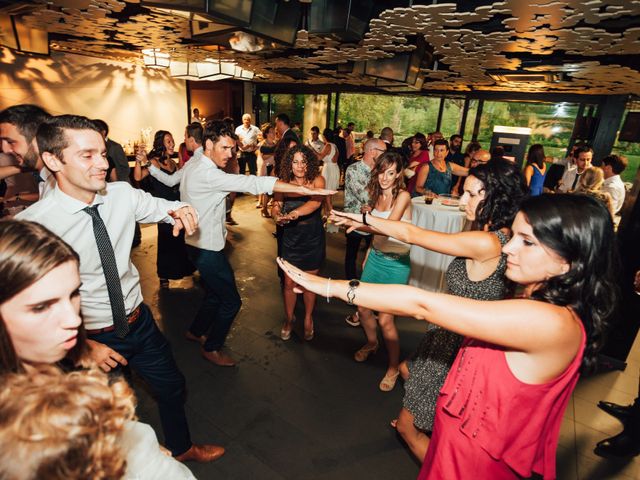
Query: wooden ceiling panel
[{"x": 577, "y": 38}]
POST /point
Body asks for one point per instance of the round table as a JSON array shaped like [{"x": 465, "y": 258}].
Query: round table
[{"x": 428, "y": 268}]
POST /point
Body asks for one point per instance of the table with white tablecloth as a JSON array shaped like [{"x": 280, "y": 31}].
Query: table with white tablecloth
[{"x": 428, "y": 268}]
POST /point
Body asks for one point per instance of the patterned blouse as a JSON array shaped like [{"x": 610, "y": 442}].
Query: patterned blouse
[{"x": 356, "y": 180}]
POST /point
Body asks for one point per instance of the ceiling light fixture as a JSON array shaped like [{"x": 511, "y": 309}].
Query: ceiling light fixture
[{"x": 155, "y": 58}]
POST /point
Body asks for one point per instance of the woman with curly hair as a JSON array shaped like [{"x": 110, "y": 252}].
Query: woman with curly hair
[
  {"x": 302, "y": 239},
  {"x": 493, "y": 193},
  {"x": 499, "y": 412},
  {"x": 387, "y": 260}
]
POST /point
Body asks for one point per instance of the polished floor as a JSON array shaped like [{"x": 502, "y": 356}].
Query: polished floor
[{"x": 307, "y": 410}]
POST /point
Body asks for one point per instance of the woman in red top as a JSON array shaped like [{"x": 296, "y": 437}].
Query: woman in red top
[{"x": 500, "y": 409}]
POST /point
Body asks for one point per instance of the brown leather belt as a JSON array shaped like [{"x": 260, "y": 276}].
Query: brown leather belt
[{"x": 131, "y": 318}]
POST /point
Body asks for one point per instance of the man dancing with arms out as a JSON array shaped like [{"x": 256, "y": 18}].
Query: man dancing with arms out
[
  {"x": 100, "y": 227},
  {"x": 205, "y": 185}
]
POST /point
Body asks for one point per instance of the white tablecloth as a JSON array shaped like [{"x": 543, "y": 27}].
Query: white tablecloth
[{"x": 428, "y": 268}]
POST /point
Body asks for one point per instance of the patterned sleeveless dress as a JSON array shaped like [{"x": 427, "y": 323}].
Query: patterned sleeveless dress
[{"x": 436, "y": 352}]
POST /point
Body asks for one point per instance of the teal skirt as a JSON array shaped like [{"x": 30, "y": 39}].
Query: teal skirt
[{"x": 386, "y": 268}]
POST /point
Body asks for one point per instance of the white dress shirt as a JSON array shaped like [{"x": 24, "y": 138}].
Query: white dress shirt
[
  {"x": 49, "y": 183},
  {"x": 568, "y": 177},
  {"x": 121, "y": 206},
  {"x": 248, "y": 137},
  {"x": 615, "y": 187},
  {"x": 205, "y": 187},
  {"x": 175, "y": 178}
]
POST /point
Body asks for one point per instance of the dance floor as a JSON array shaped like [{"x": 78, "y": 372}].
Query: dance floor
[{"x": 307, "y": 410}]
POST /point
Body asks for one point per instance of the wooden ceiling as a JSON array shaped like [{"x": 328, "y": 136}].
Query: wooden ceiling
[{"x": 589, "y": 47}]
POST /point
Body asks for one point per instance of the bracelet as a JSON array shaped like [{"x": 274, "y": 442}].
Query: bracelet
[
  {"x": 351, "y": 293},
  {"x": 328, "y": 295},
  {"x": 364, "y": 218}
]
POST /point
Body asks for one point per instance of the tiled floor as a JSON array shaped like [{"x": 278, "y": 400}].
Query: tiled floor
[{"x": 306, "y": 410}]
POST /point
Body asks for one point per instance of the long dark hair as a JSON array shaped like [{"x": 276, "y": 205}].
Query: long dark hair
[
  {"x": 286, "y": 167},
  {"x": 580, "y": 230},
  {"x": 504, "y": 189},
  {"x": 158, "y": 150},
  {"x": 28, "y": 251},
  {"x": 536, "y": 156},
  {"x": 384, "y": 162}
]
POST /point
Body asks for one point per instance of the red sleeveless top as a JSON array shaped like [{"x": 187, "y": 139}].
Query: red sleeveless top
[{"x": 489, "y": 424}]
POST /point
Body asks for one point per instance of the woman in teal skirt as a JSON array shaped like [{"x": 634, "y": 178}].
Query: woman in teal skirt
[{"x": 387, "y": 260}]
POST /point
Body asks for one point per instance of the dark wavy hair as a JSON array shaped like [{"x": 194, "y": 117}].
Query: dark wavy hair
[
  {"x": 285, "y": 171},
  {"x": 579, "y": 229},
  {"x": 504, "y": 191},
  {"x": 158, "y": 150},
  {"x": 420, "y": 137},
  {"x": 384, "y": 162}
]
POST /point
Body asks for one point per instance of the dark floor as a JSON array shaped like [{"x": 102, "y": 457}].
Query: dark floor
[
  {"x": 294, "y": 410},
  {"x": 307, "y": 410}
]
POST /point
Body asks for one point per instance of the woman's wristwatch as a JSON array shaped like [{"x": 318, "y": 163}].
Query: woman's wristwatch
[
  {"x": 351, "y": 293},
  {"x": 364, "y": 218}
]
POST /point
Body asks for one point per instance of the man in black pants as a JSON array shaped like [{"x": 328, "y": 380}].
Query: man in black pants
[{"x": 356, "y": 200}]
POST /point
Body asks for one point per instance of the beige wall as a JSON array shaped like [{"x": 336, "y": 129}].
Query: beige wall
[{"x": 128, "y": 97}]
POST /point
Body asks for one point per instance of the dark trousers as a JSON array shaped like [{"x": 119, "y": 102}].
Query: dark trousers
[
  {"x": 248, "y": 158},
  {"x": 221, "y": 301},
  {"x": 351, "y": 253},
  {"x": 149, "y": 354}
]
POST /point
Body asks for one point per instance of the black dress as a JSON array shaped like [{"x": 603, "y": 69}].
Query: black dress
[
  {"x": 303, "y": 242},
  {"x": 172, "y": 262}
]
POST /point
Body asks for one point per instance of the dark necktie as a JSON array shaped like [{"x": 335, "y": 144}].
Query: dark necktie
[
  {"x": 37, "y": 177},
  {"x": 575, "y": 181},
  {"x": 110, "y": 269}
]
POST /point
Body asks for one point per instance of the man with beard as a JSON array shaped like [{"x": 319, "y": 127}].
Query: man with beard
[{"x": 18, "y": 127}]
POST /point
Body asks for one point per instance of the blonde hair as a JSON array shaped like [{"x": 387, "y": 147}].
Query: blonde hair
[
  {"x": 591, "y": 180},
  {"x": 58, "y": 425}
]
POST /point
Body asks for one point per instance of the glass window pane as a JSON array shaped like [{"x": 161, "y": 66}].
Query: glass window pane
[
  {"x": 451, "y": 116},
  {"x": 631, "y": 150},
  {"x": 551, "y": 124}
]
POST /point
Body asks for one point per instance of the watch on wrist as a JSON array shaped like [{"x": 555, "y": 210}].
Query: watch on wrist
[
  {"x": 351, "y": 293},
  {"x": 364, "y": 218}
]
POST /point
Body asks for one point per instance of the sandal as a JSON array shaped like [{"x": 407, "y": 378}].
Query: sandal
[
  {"x": 285, "y": 333},
  {"x": 389, "y": 381},
  {"x": 362, "y": 354},
  {"x": 308, "y": 336}
]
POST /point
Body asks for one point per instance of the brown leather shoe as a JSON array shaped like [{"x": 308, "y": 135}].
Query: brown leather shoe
[
  {"x": 201, "y": 453},
  {"x": 219, "y": 358},
  {"x": 190, "y": 336}
]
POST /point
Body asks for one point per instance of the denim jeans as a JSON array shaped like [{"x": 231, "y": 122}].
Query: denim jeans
[
  {"x": 149, "y": 354},
  {"x": 221, "y": 301}
]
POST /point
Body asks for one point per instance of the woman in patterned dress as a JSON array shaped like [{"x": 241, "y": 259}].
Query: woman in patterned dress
[{"x": 492, "y": 193}]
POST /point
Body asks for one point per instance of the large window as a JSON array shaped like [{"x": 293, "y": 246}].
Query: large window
[
  {"x": 406, "y": 115},
  {"x": 451, "y": 116},
  {"x": 551, "y": 124},
  {"x": 308, "y": 110},
  {"x": 631, "y": 150}
]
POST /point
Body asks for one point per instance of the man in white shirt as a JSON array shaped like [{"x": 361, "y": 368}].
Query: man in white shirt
[
  {"x": 100, "y": 228},
  {"x": 612, "y": 167},
  {"x": 248, "y": 143},
  {"x": 18, "y": 126},
  {"x": 314, "y": 142},
  {"x": 582, "y": 157},
  {"x": 205, "y": 185}
]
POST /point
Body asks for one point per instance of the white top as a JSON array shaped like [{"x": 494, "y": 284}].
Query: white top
[
  {"x": 44, "y": 188},
  {"x": 332, "y": 151},
  {"x": 316, "y": 145},
  {"x": 389, "y": 244},
  {"x": 248, "y": 137},
  {"x": 615, "y": 187},
  {"x": 121, "y": 206},
  {"x": 205, "y": 186},
  {"x": 175, "y": 178},
  {"x": 145, "y": 460},
  {"x": 568, "y": 178}
]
